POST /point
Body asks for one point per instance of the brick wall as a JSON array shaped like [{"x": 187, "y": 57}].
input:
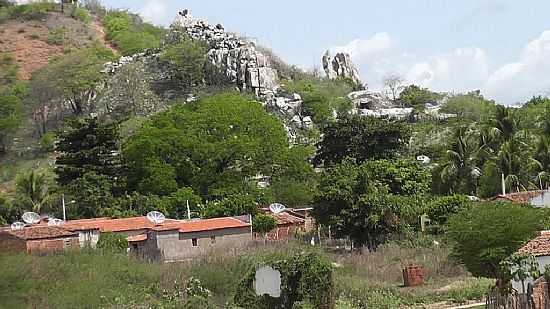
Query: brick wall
[
  {"x": 540, "y": 294},
  {"x": 11, "y": 244},
  {"x": 45, "y": 246}
]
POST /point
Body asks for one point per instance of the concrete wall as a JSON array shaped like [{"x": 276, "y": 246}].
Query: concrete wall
[
  {"x": 45, "y": 246},
  {"x": 11, "y": 244},
  {"x": 88, "y": 238},
  {"x": 170, "y": 246}
]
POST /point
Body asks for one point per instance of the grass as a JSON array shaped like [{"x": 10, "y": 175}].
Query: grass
[{"x": 107, "y": 280}]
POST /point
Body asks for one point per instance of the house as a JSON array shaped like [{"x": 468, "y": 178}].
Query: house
[
  {"x": 289, "y": 222},
  {"x": 539, "y": 198},
  {"x": 539, "y": 247},
  {"x": 38, "y": 240},
  {"x": 184, "y": 240},
  {"x": 88, "y": 230}
]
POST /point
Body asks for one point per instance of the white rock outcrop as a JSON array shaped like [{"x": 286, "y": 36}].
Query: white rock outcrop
[{"x": 340, "y": 66}]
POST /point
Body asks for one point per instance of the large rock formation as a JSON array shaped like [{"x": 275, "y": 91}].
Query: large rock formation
[
  {"x": 340, "y": 66},
  {"x": 239, "y": 61}
]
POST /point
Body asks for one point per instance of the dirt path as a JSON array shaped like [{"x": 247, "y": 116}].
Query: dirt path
[{"x": 97, "y": 27}]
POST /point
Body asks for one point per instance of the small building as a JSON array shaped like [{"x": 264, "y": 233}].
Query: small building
[
  {"x": 289, "y": 222},
  {"x": 539, "y": 198},
  {"x": 38, "y": 240},
  {"x": 184, "y": 240},
  {"x": 88, "y": 230},
  {"x": 539, "y": 247}
]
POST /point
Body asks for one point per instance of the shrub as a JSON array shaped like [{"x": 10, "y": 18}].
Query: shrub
[
  {"x": 47, "y": 142},
  {"x": 440, "y": 209},
  {"x": 488, "y": 233},
  {"x": 56, "y": 36},
  {"x": 263, "y": 223},
  {"x": 31, "y": 11},
  {"x": 306, "y": 282},
  {"x": 112, "y": 242},
  {"x": 82, "y": 15},
  {"x": 187, "y": 60}
]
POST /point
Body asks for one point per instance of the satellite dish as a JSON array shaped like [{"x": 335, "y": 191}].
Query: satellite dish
[
  {"x": 55, "y": 222},
  {"x": 16, "y": 226},
  {"x": 31, "y": 218},
  {"x": 277, "y": 208},
  {"x": 156, "y": 217}
]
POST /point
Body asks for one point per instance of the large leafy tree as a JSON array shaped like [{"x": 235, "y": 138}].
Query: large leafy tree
[
  {"x": 213, "y": 146},
  {"x": 88, "y": 146},
  {"x": 361, "y": 201},
  {"x": 488, "y": 233},
  {"x": 362, "y": 138},
  {"x": 77, "y": 75}
]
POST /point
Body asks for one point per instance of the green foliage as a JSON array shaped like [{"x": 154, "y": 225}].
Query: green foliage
[
  {"x": 187, "y": 60},
  {"x": 88, "y": 146},
  {"x": 521, "y": 267},
  {"x": 263, "y": 223},
  {"x": 441, "y": 208},
  {"x": 199, "y": 302},
  {"x": 32, "y": 190},
  {"x": 56, "y": 36},
  {"x": 47, "y": 142},
  {"x": 130, "y": 34},
  {"x": 93, "y": 195},
  {"x": 362, "y": 138},
  {"x": 81, "y": 14},
  {"x": 358, "y": 200},
  {"x": 471, "y": 106},
  {"x": 415, "y": 96},
  {"x": 8, "y": 70},
  {"x": 488, "y": 233},
  {"x": 111, "y": 242},
  {"x": 306, "y": 278},
  {"x": 31, "y": 11},
  {"x": 213, "y": 146},
  {"x": 11, "y": 110},
  {"x": 232, "y": 205}
]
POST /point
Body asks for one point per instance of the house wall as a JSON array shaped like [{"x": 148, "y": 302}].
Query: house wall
[
  {"x": 88, "y": 238},
  {"x": 170, "y": 246},
  {"x": 543, "y": 261},
  {"x": 45, "y": 246},
  {"x": 10, "y": 243}
]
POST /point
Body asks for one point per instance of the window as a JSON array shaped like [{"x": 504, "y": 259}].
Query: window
[
  {"x": 194, "y": 241},
  {"x": 212, "y": 240}
]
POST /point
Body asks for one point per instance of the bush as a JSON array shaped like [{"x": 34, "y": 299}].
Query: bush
[
  {"x": 187, "y": 60},
  {"x": 112, "y": 242},
  {"x": 32, "y": 11},
  {"x": 56, "y": 36},
  {"x": 82, "y": 15},
  {"x": 47, "y": 142},
  {"x": 488, "y": 233},
  {"x": 306, "y": 282},
  {"x": 263, "y": 223},
  {"x": 440, "y": 209}
]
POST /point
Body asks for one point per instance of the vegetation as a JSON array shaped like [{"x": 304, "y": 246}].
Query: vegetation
[{"x": 187, "y": 60}]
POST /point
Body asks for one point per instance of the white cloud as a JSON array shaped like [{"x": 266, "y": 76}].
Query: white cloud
[
  {"x": 459, "y": 70},
  {"x": 155, "y": 11}
]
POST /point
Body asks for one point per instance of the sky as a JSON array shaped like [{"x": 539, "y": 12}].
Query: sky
[{"x": 501, "y": 47}]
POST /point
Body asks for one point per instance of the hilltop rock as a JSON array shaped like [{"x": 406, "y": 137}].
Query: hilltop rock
[{"x": 340, "y": 66}]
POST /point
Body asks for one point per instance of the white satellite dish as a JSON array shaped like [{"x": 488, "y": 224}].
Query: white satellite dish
[
  {"x": 16, "y": 226},
  {"x": 277, "y": 208},
  {"x": 31, "y": 217},
  {"x": 55, "y": 222},
  {"x": 156, "y": 217}
]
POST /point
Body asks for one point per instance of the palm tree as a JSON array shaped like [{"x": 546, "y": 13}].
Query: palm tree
[
  {"x": 504, "y": 123},
  {"x": 460, "y": 170},
  {"x": 540, "y": 161},
  {"x": 511, "y": 160},
  {"x": 32, "y": 188}
]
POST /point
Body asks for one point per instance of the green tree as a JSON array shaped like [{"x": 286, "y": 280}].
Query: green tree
[
  {"x": 187, "y": 59},
  {"x": 441, "y": 208},
  {"x": 77, "y": 75},
  {"x": 400, "y": 177},
  {"x": 32, "y": 190},
  {"x": 415, "y": 96},
  {"x": 472, "y": 106},
  {"x": 361, "y": 138},
  {"x": 88, "y": 146},
  {"x": 488, "y": 233},
  {"x": 232, "y": 205},
  {"x": 111, "y": 242},
  {"x": 263, "y": 224},
  {"x": 215, "y": 146},
  {"x": 93, "y": 196},
  {"x": 10, "y": 118}
]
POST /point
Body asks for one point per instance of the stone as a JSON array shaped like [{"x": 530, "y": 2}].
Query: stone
[
  {"x": 340, "y": 66},
  {"x": 267, "y": 282}
]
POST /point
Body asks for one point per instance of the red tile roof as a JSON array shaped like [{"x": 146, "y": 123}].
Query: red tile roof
[
  {"x": 285, "y": 218},
  {"x": 202, "y": 225},
  {"x": 540, "y": 246},
  {"x": 112, "y": 225},
  {"x": 137, "y": 238},
  {"x": 41, "y": 232},
  {"x": 520, "y": 197}
]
